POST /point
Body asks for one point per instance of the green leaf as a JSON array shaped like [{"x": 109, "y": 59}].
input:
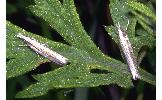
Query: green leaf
[
  {"x": 21, "y": 59},
  {"x": 146, "y": 26},
  {"x": 138, "y": 37},
  {"x": 68, "y": 78},
  {"x": 142, "y": 8},
  {"x": 19, "y": 53},
  {"x": 34, "y": 90},
  {"x": 147, "y": 77},
  {"x": 67, "y": 24},
  {"x": 121, "y": 16},
  {"x": 88, "y": 67},
  {"x": 142, "y": 17},
  {"x": 78, "y": 71},
  {"x": 119, "y": 11}
]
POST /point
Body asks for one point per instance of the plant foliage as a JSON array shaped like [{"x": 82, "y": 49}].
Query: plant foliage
[{"x": 83, "y": 55}]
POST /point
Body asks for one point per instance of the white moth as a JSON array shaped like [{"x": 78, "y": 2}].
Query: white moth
[
  {"x": 44, "y": 51},
  {"x": 128, "y": 52}
]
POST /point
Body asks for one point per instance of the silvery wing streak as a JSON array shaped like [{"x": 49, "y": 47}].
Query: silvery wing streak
[
  {"x": 128, "y": 52},
  {"x": 42, "y": 50}
]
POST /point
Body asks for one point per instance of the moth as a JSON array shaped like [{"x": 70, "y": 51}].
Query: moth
[
  {"x": 43, "y": 50},
  {"x": 128, "y": 52}
]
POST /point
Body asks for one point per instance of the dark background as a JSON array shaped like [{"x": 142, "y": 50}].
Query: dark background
[{"x": 94, "y": 15}]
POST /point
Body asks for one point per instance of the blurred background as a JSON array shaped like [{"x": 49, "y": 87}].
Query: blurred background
[{"x": 94, "y": 15}]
